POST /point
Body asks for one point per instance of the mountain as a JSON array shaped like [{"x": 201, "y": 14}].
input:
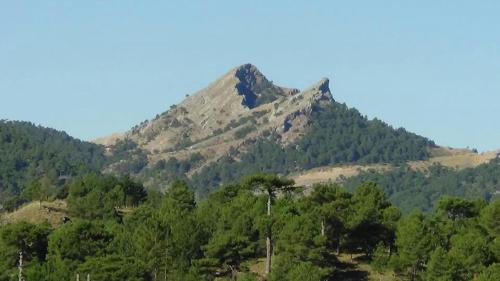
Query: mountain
[
  {"x": 224, "y": 114},
  {"x": 29, "y": 152},
  {"x": 243, "y": 123}
]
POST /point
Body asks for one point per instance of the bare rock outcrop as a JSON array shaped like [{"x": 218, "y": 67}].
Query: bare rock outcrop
[{"x": 212, "y": 120}]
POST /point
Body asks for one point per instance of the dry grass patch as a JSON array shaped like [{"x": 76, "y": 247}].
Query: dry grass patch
[
  {"x": 356, "y": 269},
  {"x": 33, "y": 212}
]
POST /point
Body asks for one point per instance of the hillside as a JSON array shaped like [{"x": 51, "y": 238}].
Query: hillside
[
  {"x": 29, "y": 152},
  {"x": 240, "y": 124},
  {"x": 411, "y": 188},
  {"x": 240, "y": 106},
  {"x": 204, "y": 120},
  {"x": 448, "y": 157},
  {"x": 243, "y": 123},
  {"x": 332, "y": 234},
  {"x": 36, "y": 213},
  {"x": 418, "y": 184},
  {"x": 235, "y": 215}
]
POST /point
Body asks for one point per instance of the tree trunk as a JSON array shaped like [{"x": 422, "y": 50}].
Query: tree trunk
[
  {"x": 323, "y": 227},
  {"x": 269, "y": 204},
  {"x": 20, "y": 276},
  {"x": 269, "y": 245},
  {"x": 268, "y": 254}
]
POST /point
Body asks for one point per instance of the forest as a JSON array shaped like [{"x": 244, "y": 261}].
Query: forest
[
  {"x": 119, "y": 231},
  {"x": 336, "y": 134},
  {"x": 29, "y": 152},
  {"x": 240, "y": 218},
  {"x": 416, "y": 189}
]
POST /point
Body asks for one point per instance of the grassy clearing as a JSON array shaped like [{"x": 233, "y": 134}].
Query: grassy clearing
[
  {"x": 356, "y": 269},
  {"x": 346, "y": 270},
  {"x": 34, "y": 212}
]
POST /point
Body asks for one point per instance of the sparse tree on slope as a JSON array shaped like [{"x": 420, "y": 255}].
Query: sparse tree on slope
[{"x": 270, "y": 185}]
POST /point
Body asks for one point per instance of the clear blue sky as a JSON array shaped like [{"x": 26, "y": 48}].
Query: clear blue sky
[{"x": 96, "y": 67}]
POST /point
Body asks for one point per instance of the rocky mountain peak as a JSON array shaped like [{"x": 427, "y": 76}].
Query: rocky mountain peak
[
  {"x": 254, "y": 87},
  {"x": 323, "y": 85},
  {"x": 321, "y": 91},
  {"x": 249, "y": 73},
  {"x": 240, "y": 106}
]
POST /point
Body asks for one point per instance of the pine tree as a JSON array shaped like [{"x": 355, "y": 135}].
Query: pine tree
[{"x": 270, "y": 185}]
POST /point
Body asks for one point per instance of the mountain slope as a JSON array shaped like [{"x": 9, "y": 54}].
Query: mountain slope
[
  {"x": 240, "y": 124},
  {"x": 29, "y": 152},
  {"x": 244, "y": 123},
  {"x": 224, "y": 114},
  {"x": 420, "y": 189},
  {"x": 458, "y": 159},
  {"x": 335, "y": 134}
]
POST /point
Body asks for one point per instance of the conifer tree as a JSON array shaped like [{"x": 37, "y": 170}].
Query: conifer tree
[{"x": 269, "y": 185}]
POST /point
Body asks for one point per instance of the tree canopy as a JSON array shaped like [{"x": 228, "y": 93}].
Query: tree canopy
[
  {"x": 225, "y": 236},
  {"x": 29, "y": 152}
]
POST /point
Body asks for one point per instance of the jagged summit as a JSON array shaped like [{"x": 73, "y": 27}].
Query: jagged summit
[
  {"x": 321, "y": 90},
  {"x": 252, "y": 86},
  {"x": 248, "y": 72},
  {"x": 244, "y": 118},
  {"x": 213, "y": 119},
  {"x": 322, "y": 85}
]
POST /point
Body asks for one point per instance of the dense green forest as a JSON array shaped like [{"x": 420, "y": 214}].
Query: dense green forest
[
  {"x": 397, "y": 221},
  {"x": 410, "y": 189},
  {"x": 28, "y": 152},
  {"x": 172, "y": 237},
  {"x": 127, "y": 157},
  {"x": 336, "y": 134}
]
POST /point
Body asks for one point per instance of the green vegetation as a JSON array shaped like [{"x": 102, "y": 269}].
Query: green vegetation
[
  {"x": 251, "y": 120},
  {"x": 243, "y": 132},
  {"x": 251, "y": 227},
  {"x": 410, "y": 189},
  {"x": 172, "y": 237},
  {"x": 164, "y": 172},
  {"x": 29, "y": 152},
  {"x": 269, "y": 185},
  {"x": 99, "y": 197},
  {"x": 337, "y": 134},
  {"x": 454, "y": 243},
  {"x": 126, "y": 157}
]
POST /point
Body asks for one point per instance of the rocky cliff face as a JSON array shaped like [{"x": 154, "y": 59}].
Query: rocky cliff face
[{"x": 239, "y": 106}]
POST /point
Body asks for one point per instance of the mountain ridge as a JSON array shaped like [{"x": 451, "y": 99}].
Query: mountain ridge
[
  {"x": 227, "y": 126},
  {"x": 242, "y": 123},
  {"x": 207, "y": 121}
]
